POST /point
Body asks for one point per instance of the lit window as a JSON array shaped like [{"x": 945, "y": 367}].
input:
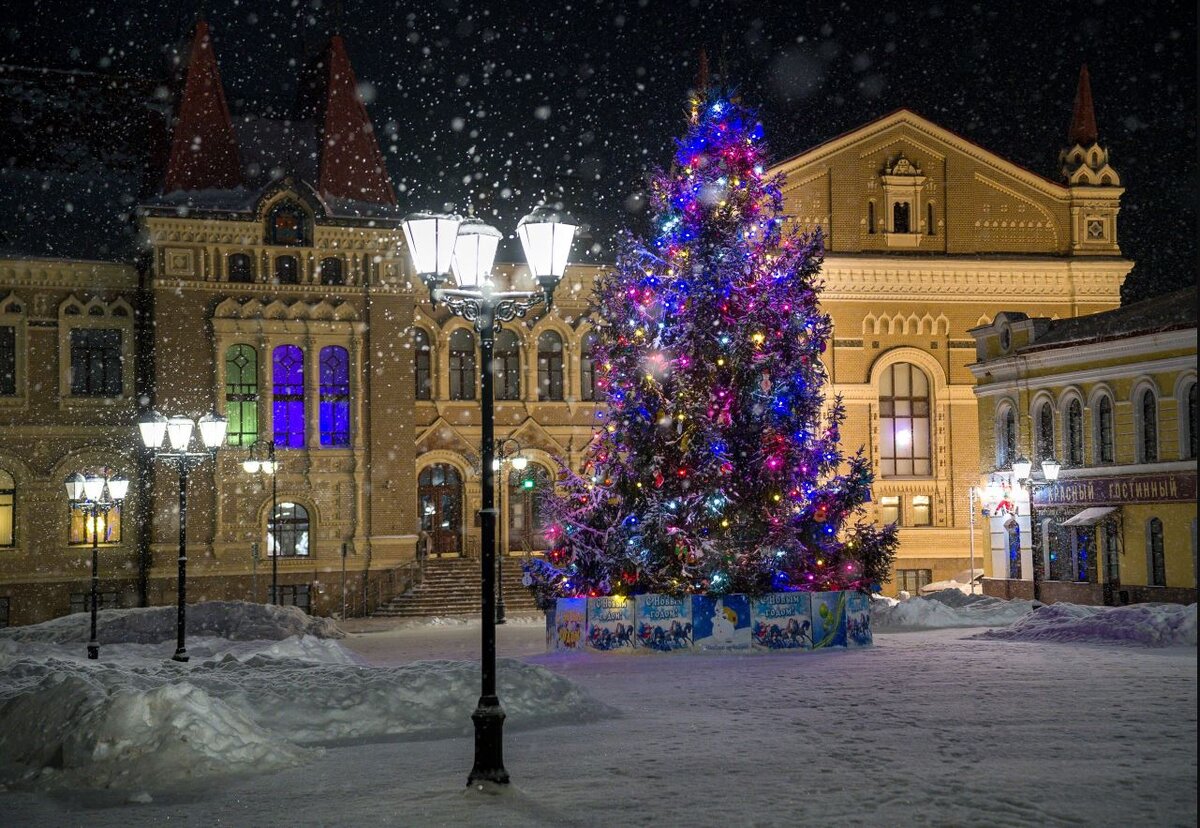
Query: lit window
[
  {"x": 334, "y": 411},
  {"x": 922, "y": 511},
  {"x": 84, "y": 526},
  {"x": 904, "y": 424},
  {"x": 889, "y": 509},
  {"x": 287, "y": 531},
  {"x": 288, "y": 408},
  {"x": 241, "y": 395},
  {"x": 8, "y": 506},
  {"x": 439, "y": 508}
]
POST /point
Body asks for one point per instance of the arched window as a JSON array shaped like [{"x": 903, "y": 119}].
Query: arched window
[
  {"x": 904, "y": 424},
  {"x": 930, "y": 227},
  {"x": 8, "y": 509},
  {"x": 422, "y": 370},
  {"x": 1148, "y": 441},
  {"x": 871, "y": 217},
  {"x": 331, "y": 271},
  {"x": 1045, "y": 431},
  {"x": 287, "y": 531},
  {"x": 1074, "y": 433},
  {"x": 1112, "y": 553},
  {"x": 241, "y": 395},
  {"x": 900, "y": 219},
  {"x": 587, "y": 368},
  {"x": 526, "y": 529},
  {"x": 287, "y": 225},
  {"x": 241, "y": 268},
  {"x": 1190, "y": 440},
  {"x": 334, "y": 410},
  {"x": 1006, "y": 438},
  {"x": 550, "y": 366},
  {"x": 439, "y": 506},
  {"x": 1155, "y": 553},
  {"x": 507, "y": 366},
  {"x": 288, "y": 409},
  {"x": 462, "y": 365},
  {"x": 1104, "y": 430},
  {"x": 287, "y": 270}
]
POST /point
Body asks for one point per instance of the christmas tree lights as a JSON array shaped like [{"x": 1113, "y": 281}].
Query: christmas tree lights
[{"x": 716, "y": 465}]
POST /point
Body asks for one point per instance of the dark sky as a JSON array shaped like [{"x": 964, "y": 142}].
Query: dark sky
[{"x": 502, "y": 102}]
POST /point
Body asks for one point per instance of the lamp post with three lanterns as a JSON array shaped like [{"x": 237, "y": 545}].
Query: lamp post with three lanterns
[
  {"x": 99, "y": 494},
  {"x": 1023, "y": 474},
  {"x": 178, "y": 432},
  {"x": 438, "y": 244}
]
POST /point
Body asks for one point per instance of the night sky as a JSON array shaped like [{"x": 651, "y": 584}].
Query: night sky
[{"x": 504, "y": 103}]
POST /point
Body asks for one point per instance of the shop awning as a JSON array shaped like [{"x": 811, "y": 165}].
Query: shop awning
[{"x": 1090, "y": 517}]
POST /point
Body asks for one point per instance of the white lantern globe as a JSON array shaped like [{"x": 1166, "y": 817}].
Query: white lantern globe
[
  {"x": 474, "y": 252},
  {"x": 1051, "y": 468},
  {"x": 74, "y": 484},
  {"x": 212, "y": 430},
  {"x": 153, "y": 428},
  {"x": 179, "y": 432},
  {"x": 546, "y": 235},
  {"x": 118, "y": 487},
  {"x": 431, "y": 238},
  {"x": 1021, "y": 468},
  {"x": 93, "y": 487}
]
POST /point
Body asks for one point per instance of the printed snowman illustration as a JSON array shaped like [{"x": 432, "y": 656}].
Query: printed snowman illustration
[{"x": 723, "y": 623}]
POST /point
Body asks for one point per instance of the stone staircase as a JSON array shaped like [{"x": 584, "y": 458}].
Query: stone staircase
[{"x": 451, "y": 587}]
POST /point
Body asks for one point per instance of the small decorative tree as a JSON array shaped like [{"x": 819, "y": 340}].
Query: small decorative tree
[{"x": 716, "y": 466}]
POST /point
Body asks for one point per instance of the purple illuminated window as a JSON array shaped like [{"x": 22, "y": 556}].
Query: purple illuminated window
[
  {"x": 335, "y": 396},
  {"x": 288, "y": 376}
]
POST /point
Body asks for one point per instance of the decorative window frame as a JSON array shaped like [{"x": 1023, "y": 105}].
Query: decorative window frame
[
  {"x": 1092, "y": 410},
  {"x": 1035, "y": 420},
  {"x": 1005, "y": 406},
  {"x": 1139, "y": 435},
  {"x": 935, "y": 373},
  {"x": 95, "y": 314},
  {"x": 14, "y": 313},
  {"x": 1183, "y": 382},
  {"x": 1065, "y": 398}
]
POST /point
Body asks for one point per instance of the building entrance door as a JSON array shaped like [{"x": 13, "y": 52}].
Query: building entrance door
[{"x": 439, "y": 504}]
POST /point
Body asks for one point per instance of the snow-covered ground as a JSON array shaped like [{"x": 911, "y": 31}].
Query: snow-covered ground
[
  {"x": 943, "y": 609},
  {"x": 927, "y": 727}
]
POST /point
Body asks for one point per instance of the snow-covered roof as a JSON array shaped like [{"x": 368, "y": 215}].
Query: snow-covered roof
[{"x": 1169, "y": 312}]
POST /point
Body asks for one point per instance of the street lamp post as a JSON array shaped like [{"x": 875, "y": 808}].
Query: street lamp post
[
  {"x": 99, "y": 494},
  {"x": 507, "y": 450},
  {"x": 1023, "y": 473},
  {"x": 178, "y": 432},
  {"x": 256, "y": 465},
  {"x": 439, "y": 243}
]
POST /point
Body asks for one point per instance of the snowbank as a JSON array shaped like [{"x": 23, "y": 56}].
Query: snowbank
[
  {"x": 231, "y": 620},
  {"x": 135, "y": 724},
  {"x": 945, "y": 609},
  {"x": 1150, "y": 625}
]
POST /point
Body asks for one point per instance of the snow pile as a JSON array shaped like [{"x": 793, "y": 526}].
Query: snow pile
[
  {"x": 264, "y": 685},
  {"x": 1150, "y": 625},
  {"x": 945, "y": 609},
  {"x": 230, "y": 620}
]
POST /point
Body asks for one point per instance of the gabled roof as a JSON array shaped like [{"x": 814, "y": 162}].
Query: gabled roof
[
  {"x": 936, "y": 132},
  {"x": 350, "y": 165},
  {"x": 204, "y": 152}
]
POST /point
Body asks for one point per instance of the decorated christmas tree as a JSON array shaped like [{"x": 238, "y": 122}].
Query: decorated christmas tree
[{"x": 716, "y": 465}]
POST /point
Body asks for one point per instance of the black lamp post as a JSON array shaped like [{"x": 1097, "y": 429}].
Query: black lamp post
[
  {"x": 508, "y": 451},
  {"x": 438, "y": 243},
  {"x": 1022, "y": 472},
  {"x": 256, "y": 465},
  {"x": 98, "y": 494},
  {"x": 178, "y": 431}
]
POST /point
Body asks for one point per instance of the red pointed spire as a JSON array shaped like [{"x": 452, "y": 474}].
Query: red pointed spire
[
  {"x": 1083, "y": 120},
  {"x": 204, "y": 151},
  {"x": 351, "y": 165}
]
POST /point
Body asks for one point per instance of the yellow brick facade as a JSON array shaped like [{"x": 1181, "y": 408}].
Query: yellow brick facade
[
  {"x": 977, "y": 234},
  {"x": 1116, "y": 405}
]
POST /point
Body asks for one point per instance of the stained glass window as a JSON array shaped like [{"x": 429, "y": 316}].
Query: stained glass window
[
  {"x": 288, "y": 408},
  {"x": 241, "y": 394},
  {"x": 334, "y": 411}
]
